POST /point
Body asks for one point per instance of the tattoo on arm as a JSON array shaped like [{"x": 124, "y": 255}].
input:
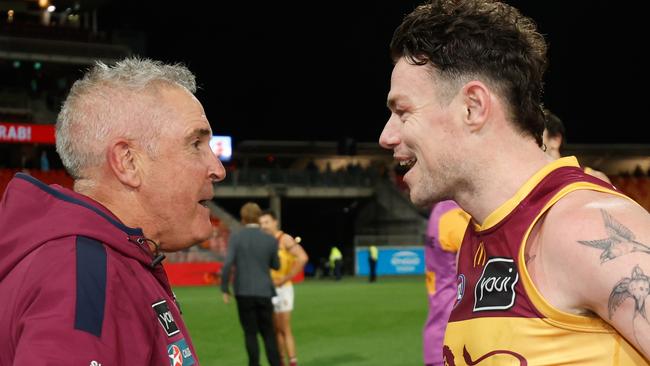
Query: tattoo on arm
[
  {"x": 637, "y": 287},
  {"x": 619, "y": 242}
]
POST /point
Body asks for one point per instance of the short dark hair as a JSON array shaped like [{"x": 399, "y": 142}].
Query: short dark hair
[
  {"x": 480, "y": 38},
  {"x": 270, "y": 213}
]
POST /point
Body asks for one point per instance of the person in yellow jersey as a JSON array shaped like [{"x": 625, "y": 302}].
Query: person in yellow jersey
[
  {"x": 373, "y": 256},
  {"x": 554, "y": 140},
  {"x": 553, "y": 268},
  {"x": 292, "y": 260}
]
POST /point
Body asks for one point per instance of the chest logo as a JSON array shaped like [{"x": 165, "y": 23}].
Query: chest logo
[
  {"x": 165, "y": 317},
  {"x": 495, "y": 289},
  {"x": 460, "y": 289}
]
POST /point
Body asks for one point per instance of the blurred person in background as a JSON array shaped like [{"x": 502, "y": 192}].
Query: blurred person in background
[
  {"x": 80, "y": 276},
  {"x": 445, "y": 231},
  {"x": 373, "y": 256},
  {"x": 336, "y": 263},
  {"x": 554, "y": 141},
  {"x": 253, "y": 253},
  {"x": 292, "y": 261}
]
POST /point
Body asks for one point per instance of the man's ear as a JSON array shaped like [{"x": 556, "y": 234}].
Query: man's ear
[
  {"x": 122, "y": 160},
  {"x": 477, "y": 101},
  {"x": 553, "y": 142}
]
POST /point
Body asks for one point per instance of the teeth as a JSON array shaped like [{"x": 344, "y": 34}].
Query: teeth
[{"x": 409, "y": 162}]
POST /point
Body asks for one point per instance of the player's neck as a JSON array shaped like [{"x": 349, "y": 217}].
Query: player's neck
[{"x": 502, "y": 174}]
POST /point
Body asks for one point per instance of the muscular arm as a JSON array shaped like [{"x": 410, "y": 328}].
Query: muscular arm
[
  {"x": 595, "y": 248},
  {"x": 299, "y": 255}
]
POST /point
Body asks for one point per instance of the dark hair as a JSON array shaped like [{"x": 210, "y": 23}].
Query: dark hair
[
  {"x": 554, "y": 126},
  {"x": 270, "y": 213},
  {"x": 480, "y": 38}
]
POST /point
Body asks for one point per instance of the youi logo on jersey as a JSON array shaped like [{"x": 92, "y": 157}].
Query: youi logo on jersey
[
  {"x": 165, "y": 317},
  {"x": 495, "y": 289}
]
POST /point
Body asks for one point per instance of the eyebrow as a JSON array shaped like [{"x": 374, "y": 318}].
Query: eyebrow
[
  {"x": 199, "y": 132},
  {"x": 392, "y": 100}
]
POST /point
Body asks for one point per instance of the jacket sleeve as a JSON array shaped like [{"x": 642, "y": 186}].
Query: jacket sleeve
[
  {"x": 275, "y": 259},
  {"x": 66, "y": 314},
  {"x": 227, "y": 265}
]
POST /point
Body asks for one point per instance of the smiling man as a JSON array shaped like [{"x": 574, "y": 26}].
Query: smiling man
[
  {"x": 80, "y": 276},
  {"x": 466, "y": 119}
]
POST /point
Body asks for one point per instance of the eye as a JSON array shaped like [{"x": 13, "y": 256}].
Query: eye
[
  {"x": 402, "y": 113},
  {"x": 196, "y": 144}
]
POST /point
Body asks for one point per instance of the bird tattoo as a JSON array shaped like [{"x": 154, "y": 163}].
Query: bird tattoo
[
  {"x": 636, "y": 287},
  {"x": 620, "y": 241}
]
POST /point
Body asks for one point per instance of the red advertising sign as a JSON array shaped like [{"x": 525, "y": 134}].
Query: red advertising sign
[
  {"x": 26, "y": 133},
  {"x": 201, "y": 274},
  {"x": 194, "y": 274}
]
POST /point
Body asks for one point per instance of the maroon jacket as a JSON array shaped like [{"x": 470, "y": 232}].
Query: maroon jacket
[{"x": 77, "y": 286}]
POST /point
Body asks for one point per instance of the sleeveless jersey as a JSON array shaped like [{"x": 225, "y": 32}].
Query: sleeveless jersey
[
  {"x": 499, "y": 317},
  {"x": 286, "y": 260}
]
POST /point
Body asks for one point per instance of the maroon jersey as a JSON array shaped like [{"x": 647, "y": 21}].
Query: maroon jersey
[{"x": 499, "y": 318}]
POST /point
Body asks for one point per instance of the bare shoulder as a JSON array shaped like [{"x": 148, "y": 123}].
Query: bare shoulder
[
  {"x": 590, "y": 222},
  {"x": 287, "y": 241},
  {"x": 594, "y": 238},
  {"x": 598, "y": 174},
  {"x": 596, "y": 249}
]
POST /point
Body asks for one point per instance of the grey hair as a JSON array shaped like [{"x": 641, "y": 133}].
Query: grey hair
[{"x": 105, "y": 103}]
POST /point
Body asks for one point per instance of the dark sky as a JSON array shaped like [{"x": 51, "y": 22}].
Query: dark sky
[{"x": 320, "y": 70}]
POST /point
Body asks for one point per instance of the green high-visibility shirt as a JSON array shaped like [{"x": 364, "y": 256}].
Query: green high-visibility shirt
[
  {"x": 374, "y": 253},
  {"x": 335, "y": 254}
]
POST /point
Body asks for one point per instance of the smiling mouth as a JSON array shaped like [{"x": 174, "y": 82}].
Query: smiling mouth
[
  {"x": 407, "y": 164},
  {"x": 204, "y": 203}
]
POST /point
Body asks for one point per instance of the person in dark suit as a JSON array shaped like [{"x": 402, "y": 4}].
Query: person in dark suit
[{"x": 254, "y": 253}]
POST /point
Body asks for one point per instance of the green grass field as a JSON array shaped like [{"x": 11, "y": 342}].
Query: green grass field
[{"x": 350, "y": 322}]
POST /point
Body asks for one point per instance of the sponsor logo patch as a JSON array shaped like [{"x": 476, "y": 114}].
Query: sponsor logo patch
[
  {"x": 180, "y": 354},
  {"x": 165, "y": 317},
  {"x": 460, "y": 289},
  {"x": 495, "y": 289}
]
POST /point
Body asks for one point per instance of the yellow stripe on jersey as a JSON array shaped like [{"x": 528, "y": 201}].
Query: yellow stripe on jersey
[
  {"x": 554, "y": 315},
  {"x": 538, "y": 343},
  {"x": 502, "y": 211}
]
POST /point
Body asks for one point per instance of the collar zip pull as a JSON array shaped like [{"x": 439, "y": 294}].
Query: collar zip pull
[{"x": 157, "y": 255}]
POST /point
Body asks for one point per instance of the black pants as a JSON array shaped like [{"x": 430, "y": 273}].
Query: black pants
[
  {"x": 373, "y": 269},
  {"x": 338, "y": 269},
  {"x": 256, "y": 315}
]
